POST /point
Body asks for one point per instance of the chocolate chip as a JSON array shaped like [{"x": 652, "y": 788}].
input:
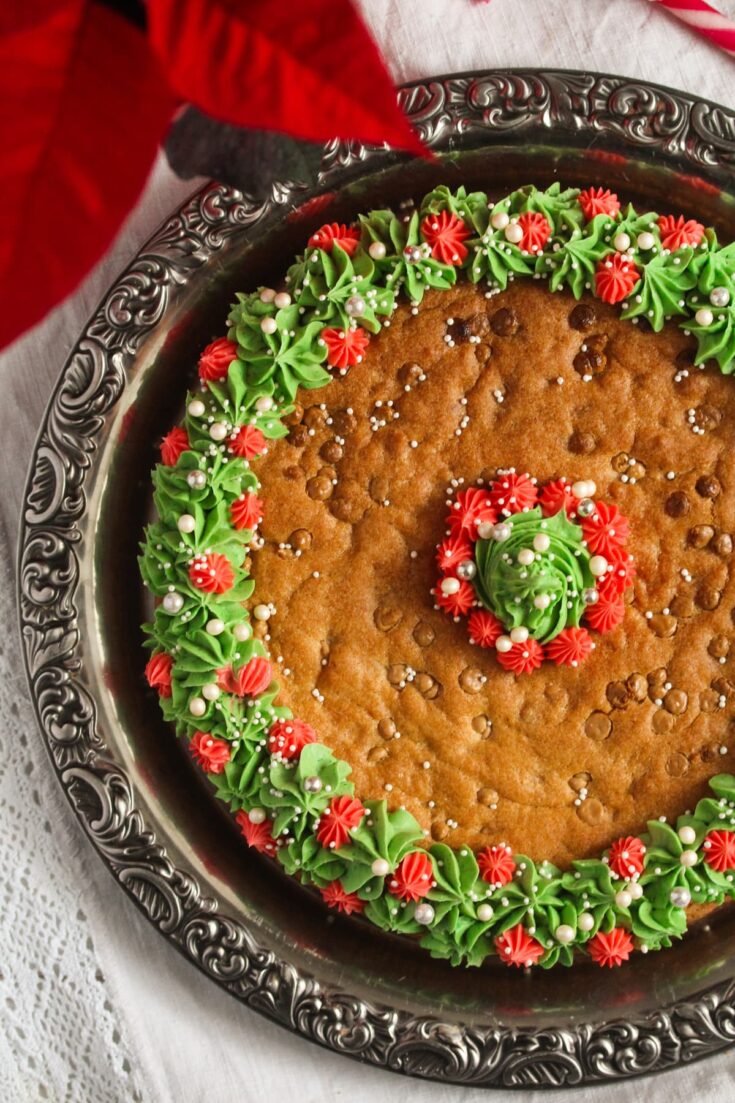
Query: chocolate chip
[
  {"x": 472, "y": 680},
  {"x": 579, "y": 781},
  {"x": 295, "y": 416},
  {"x": 662, "y": 722},
  {"x": 637, "y": 686},
  {"x": 346, "y": 508},
  {"x": 439, "y": 830},
  {"x": 483, "y": 726},
  {"x": 581, "y": 443},
  {"x": 707, "y": 486},
  {"x": 708, "y": 597},
  {"x": 719, "y": 647},
  {"x": 387, "y": 728},
  {"x": 591, "y": 811},
  {"x": 319, "y": 488},
  {"x": 300, "y": 539},
  {"x": 461, "y": 329},
  {"x": 504, "y": 322},
  {"x": 424, "y": 634},
  {"x": 677, "y": 764},
  {"x": 676, "y": 702},
  {"x": 583, "y": 316},
  {"x": 700, "y": 536},
  {"x": 589, "y": 363},
  {"x": 397, "y": 673},
  {"x": 427, "y": 686},
  {"x": 298, "y": 436},
  {"x": 377, "y": 754},
  {"x": 617, "y": 694},
  {"x": 682, "y": 604},
  {"x": 331, "y": 451},
  {"x": 598, "y": 726},
  {"x": 315, "y": 417},
  {"x": 662, "y": 625},
  {"x": 707, "y": 417},
  {"x": 343, "y": 422},
  {"x": 722, "y": 544},
  {"x": 619, "y": 462},
  {"x": 387, "y": 617},
  {"x": 487, "y": 796},
  {"x": 293, "y": 472},
  {"x": 677, "y": 504},
  {"x": 410, "y": 373}
]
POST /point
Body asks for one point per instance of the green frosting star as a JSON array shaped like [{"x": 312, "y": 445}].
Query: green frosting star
[{"x": 545, "y": 595}]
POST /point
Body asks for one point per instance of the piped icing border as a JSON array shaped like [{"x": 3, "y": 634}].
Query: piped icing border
[{"x": 291, "y": 797}]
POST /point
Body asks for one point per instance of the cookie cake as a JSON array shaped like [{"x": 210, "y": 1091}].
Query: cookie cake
[{"x": 442, "y": 569}]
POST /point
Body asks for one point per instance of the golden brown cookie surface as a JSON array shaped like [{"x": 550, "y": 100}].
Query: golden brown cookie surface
[{"x": 559, "y": 762}]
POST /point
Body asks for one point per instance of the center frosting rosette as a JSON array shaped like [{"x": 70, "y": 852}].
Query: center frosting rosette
[{"x": 527, "y": 564}]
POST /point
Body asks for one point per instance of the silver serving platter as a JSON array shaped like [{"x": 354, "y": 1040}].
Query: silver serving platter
[{"x": 146, "y": 810}]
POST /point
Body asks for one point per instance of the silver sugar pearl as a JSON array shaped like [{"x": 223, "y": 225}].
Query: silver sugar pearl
[
  {"x": 590, "y": 596},
  {"x": 585, "y": 507},
  {"x": 466, "y": 570},
  {"x": 313, "y": 784},
  {"x": 424, "y": 914},
  {"x": 680, "y": 897},
  {"x": 413, "y": 253},
  {"x": 501, "y": 532},
  {"x": 173, "y": 603},
  {"x": 197, "y": 480},
  {"x": 356, "y": 306},
  {"x": 719, "y": 296}
]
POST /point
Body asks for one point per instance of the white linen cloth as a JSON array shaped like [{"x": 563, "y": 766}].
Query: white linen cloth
[{"x": 95, "y": 1006}]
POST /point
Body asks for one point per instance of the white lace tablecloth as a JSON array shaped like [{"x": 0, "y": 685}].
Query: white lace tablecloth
[{"x": 95, "y": 1007}]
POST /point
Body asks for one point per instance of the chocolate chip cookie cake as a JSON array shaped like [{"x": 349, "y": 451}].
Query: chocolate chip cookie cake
[{"x": 442, "y": 572}]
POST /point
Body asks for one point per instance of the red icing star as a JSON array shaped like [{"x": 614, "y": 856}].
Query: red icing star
[
  {"x": 678, "y": 232},
  {"x": 336, "y": 822},
  {"x": 413, "y": 877},
  {"x": 512, "y": 493},
  {"x": 215, "y": 361},
  {"x": 454, "y": 550},
  {"x": 517, "y": 947},
  {"x": 611, "y": 949},
  {"x": 247, "y": 442},
  {"x": 626, "y": 855},
  {"x": 536, "y": 232},
  {"x": 345, "y": 347},
  {"x": 570, "y": 648},
  {"x": 620, "y": 574},
  {"x": 209, "y": 753},
  {"x": 445, "y": 234},
  {"x": 158, "y": 673},
  {"x": 257, "y": 835},
  {"x": 173, "y": 445},
  {"x": 470, "y": 508},
  {"x": 606, "y": 530},
  {"x": 607, "y": 613},
  {"x": 252, "y": 679},
  {"x": 288, "y": 738},
  {"x": 334, "y": 233},
  {"x": 555, "y": 496},
  {"x": 484, "y": 628},
  {"x": 212, "y": 573},
  {"x": 523, "y": 658},
  {"x": 347, "y": 902},
  {"x": 719, "y": 850},
  {"x": 246, "y": 511},
  {"x": 596, "y": 201},
  {"x": 456, "y": 605},
  {"x": 496, "y": 864},
  {"x": 615, "y": 277}
]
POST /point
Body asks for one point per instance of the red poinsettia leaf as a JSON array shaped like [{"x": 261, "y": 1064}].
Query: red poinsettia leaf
[
  {"x": 307, "y": 68},
  {"x": 86, "y": 107}
]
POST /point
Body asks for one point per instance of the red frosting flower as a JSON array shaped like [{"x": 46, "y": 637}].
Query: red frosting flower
[
  {"x": 523, "y": 658},
  {"x": 555, "y": 496},
  {"x": 512, "y": 493},
  {"x": 615, "y": 277},
  {"x": 619, "y": 578},
  {"x": 413, "y": 877},
  {"x": 445, "y": 234},
  {"x": 454, "y": 550},
  {"x": 246, "y": 511},
  {"x": 536, "y": 232},
  {"x": 257, "y": 835},
  {"x": 496, "y": 864},
  {"x": 484, "y": 628},
  {"x": 570, "y": 648},
  {"x": 247, "y": 442},
  {"x": 719, "y": 850},
  {"x": 336, "y": 822},
  {"x": 334, "y": 233},
  {"x": 252, "y": 679},
  {"x": 607, "y": 613},
  {"x": 209, "y": 753},
  {"x": 471, "y": 507},
  {"x": 158, "y": 673},
  {"x": 457, "y": 604},
  {"x": 678, "y": 232},
  {"x": 288, "y": 738},
  {"x": 517, "y": 947},
  {"x": 606, "y": 530},
  {"x": 173, "y": 444},
  {"x": 625, "y": 856},
  {"x": 212, "y": 573},
  {"x": 345, "y": 347},
  {"x": 215, "y": 361},
  {"x": 612, "y": 948},
  {"x": 347, "y": 902},
  {"x": 596, "y": 201}
]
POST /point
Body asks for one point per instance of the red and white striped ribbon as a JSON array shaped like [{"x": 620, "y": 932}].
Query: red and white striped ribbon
[{"x": 704, "y": 19}]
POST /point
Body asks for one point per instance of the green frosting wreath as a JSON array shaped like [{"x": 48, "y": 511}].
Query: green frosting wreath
[{"x": 293, "y": 799}]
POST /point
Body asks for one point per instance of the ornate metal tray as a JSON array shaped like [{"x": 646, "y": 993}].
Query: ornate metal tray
[{"x": 145, "y": 809}]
